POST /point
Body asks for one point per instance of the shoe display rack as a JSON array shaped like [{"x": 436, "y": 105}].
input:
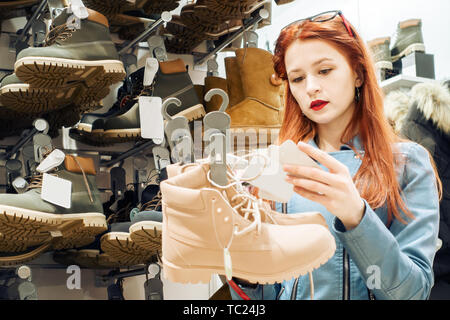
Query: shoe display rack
[{"x": 123, "y": 165}]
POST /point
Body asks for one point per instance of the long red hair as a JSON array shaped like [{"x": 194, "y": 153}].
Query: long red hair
[{"x": 376, "y": 134}]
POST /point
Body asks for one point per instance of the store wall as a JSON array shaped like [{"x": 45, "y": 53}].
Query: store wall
[{"x": 373, "y": 19}]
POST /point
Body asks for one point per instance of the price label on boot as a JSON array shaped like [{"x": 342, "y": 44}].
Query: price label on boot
[
  {"x": 151, "y": 118},
  {"x": 56, "y": 190}
]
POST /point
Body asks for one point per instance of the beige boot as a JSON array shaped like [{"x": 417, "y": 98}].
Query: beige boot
[
  {"x": 268, "y": 216},
  {"x": 204, "y": 235}
]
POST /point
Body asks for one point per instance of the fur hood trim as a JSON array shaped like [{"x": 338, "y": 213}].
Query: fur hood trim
[{"x": 433, "y": 101}]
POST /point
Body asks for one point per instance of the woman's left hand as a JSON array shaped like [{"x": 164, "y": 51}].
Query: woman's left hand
[{"x": 334, "y": 190}]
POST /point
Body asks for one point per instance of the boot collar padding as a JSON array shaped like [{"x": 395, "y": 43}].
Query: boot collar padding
[
  {"x": 173, "y": 66},
  {"x": 409, "y": 23},
  {"x": 73, "y": 165},
  {"x": 95, "y": 16}
]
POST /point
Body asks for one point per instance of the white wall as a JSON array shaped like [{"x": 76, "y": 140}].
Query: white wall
[{"x": 374, "y": 19}]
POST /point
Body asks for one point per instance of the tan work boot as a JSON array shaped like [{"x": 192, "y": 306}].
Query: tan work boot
[
  {"x": 234, "y": 82},
  {"x": 206, "y": 232},
  {"x": 262, "y": 107}
]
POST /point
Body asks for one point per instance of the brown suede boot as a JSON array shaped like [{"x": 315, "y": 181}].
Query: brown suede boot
[
  {"x": 262, "y": 107},
  {"x": 234, "y": 83},
  {"x": 212, "y": 82}
]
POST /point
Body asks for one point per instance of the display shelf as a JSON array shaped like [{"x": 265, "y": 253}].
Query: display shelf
[{"x": 402, "y": 81}]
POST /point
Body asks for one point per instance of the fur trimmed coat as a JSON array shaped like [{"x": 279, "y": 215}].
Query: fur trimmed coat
[{"x": 427, "y": 122}]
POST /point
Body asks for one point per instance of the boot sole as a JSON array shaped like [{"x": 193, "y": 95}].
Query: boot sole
[
  {"x": 26, "y": 99},
  {"x": 97, "y": 139},
  {"x": 108, "y": 7},
  {"x": 67, "y": 230},
  {"x": 48, "y": 72},
  {"x": 147, "y": 234},
  {"x": 15, "y": 260},
  {"x": 384, "y": 65},
  {"x": 122, "y": 249},
  {"x": 226, "y": 10},
  {"x": 419, "y": 47},
  {"x": 202, "y": 274}
]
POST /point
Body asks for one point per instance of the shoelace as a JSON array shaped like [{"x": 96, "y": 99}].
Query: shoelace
[
  {"x": 59, "y": 33},
  {"x": 253, "y": 206},
  {"x": 154, "y": 203},
  {"x": 37, "y": 179}
]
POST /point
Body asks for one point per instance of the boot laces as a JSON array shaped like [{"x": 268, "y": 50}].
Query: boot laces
[
  {"x": 59, "y": 33},
  {"x": 37, "y": 178}
]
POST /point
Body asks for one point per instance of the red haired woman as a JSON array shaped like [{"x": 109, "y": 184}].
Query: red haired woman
[{"x": 378, "y": 193}]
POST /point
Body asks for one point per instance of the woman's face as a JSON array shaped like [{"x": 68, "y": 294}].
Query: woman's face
[{"x": 322, "y": 81}]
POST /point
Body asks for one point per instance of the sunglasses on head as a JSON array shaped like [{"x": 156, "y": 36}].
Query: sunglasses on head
[{"x": 322, "y": 17}]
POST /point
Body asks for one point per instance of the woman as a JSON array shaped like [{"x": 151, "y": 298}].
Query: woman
[{"x": 379, "y": 194}]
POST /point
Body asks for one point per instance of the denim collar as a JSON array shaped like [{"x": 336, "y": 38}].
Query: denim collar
[{"x": 355, "y": 141}]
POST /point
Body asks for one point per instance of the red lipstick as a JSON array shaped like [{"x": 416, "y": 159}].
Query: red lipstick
[{"x": 317, "y": 105}]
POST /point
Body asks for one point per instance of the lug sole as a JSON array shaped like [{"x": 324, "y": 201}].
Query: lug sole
[
  {"x": 17, "y": 3},
  {"x": 48, "y": 72},
  {"x": 26, "y": 99},
  {"x": 384, "y": 65},
  {"x": 192, "y": 113},
  {"x": 419, "y": 47},
  {"x": 202, "y": 274},
  {"x": 108, "y": 7},
  {"x": 21, "y": 258},
  {"x": 147, "y": 234},
  {"x": 122, "y": 249},
  {"x": 66, "y": 230}
]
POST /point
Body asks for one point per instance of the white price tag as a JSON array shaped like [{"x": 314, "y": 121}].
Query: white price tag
[
  {"x": 56, "y": 190},
  {"x": 53, "y": 160},
  {"x": 151, "y": 67},
  {"x": 151, "y": 118}
]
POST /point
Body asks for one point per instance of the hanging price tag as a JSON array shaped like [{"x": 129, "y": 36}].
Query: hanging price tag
[
  {"x": 152, "y": 122},
  {"x": 56, "y": 190}
]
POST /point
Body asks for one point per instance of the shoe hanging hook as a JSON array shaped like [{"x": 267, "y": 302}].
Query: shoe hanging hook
[
  {"x": 220, "y": 92},
  {"x": 166, "y": 104}
]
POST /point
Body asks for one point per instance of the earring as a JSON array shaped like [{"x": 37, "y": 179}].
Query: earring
[{"x": 357, "y": 94}]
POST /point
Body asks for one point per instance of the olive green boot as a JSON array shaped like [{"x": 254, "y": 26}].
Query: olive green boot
[
  {"x": 77, "y": 53},
  {"x": 409, "y": 38},
  {"x": 381, "y": 55},
  {"x": 27, "y": 218}
]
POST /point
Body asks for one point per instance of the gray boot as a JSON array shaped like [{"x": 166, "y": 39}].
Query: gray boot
[
  {"x": 379, "y": 48},
  {"x": 78, "y": 53},
  {"x": 408, "y": 39}
]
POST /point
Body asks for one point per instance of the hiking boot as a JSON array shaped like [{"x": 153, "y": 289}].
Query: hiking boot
[
  {"x": 22, "y": 97},
  {"x": 381, "y": 54},
  {"x": 171, "y": 80},
  {"x": 29, "y": 218},
  {"x": 408, "y": 39},
  {"x": 120, "y": 248},
  {"x": 73, "y": 57},
  {"x": 211, "y": 231},
  {"x": 268, "y": 216},
  {"x": 131, "y": 87}
]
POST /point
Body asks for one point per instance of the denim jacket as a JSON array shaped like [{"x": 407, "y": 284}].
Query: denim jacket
[{"x": 394, "y": 262}]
